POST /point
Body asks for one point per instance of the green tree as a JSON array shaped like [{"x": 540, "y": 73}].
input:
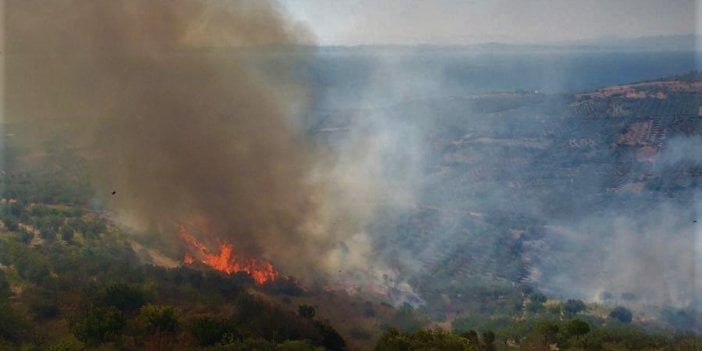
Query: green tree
[
  {"x": 68, "y": 343},
  {"x": 159, "y": 324},
  {"x": 306, "y": 311},
  {"x": 159, "y": 319},
  {"x": 622, "y": 314},
  {"x": 488, "y": 340},
  {"x": 12, "y": 324},
  {"x": 395, "y": 340},
  {"x": 576, "y": 327},
  {"x": 209, "y": 331},
  {"x": 101, "y": 324},
  {"x": 537, "y": 298},
  {"x": 331, "y": 340},
  {"x": 4, "y": 286},
  {"x": 67, "y": 233},
  {"x": 573, "y": 307},
  {"x": 126, "y": 298},
  {"x": 472, "y": 336}
]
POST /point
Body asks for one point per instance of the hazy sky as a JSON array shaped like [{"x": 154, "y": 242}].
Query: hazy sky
[{"x": 351, "y": 22}]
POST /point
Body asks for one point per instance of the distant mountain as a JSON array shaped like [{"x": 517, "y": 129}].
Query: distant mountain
[
  {"x": 681, "y": 42},
  {"x": 684, "y": 42}
]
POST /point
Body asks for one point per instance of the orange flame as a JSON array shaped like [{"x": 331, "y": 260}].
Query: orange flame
[
  {"x": 225, "y": 261},
  {"x": 188, "y": 259}
]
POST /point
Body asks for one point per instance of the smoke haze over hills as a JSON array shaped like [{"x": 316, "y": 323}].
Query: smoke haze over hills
[{"x": 394, "y": 170}]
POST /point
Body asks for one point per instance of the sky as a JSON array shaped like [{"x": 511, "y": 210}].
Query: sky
[{"x": 372, "y": 22}]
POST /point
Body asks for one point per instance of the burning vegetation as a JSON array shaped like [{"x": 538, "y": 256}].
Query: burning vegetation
[{"x": 224, "y": 258}]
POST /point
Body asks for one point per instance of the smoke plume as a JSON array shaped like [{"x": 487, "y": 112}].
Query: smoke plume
[{"x": 176, "y": 112}]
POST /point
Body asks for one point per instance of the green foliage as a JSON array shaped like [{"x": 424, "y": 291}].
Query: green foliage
[
  {"x": 209, "y": 331},
  {"x": 296, "y": 345},
  {"x": 67, "y": 233},
  {"x": 395, "y": 340},
  {"x": 368, "y": 309},
  {"x": 254, "y": 344},
  {"x": 472, "y": 336},
  {"x": 548, "y": 330},
  {"x": 306, "y": 311},
  {"x": 4, "y": 286},
  {"x": 68, "y": 343},
  {"x": 406, "y": 319},
  {"x": 621, "y": 314},
  {"x": 99, "y": 325},
  {"x": 29, "y": 263},
  {"x": 573, "y": 307},
  {"x": 248, "y": 344},
  {"x": 331, "y": 340},
  {"x": 84, "y": 272},
  {"x": 283, "y": 286},
  {"x": 159, "y": 319},
  {"x": 576, "y": 327},
  {"x": 620, "y": 338},
  {"x": 680, "y": 319},
  {"x": 537, "y": 298},
  {"x": 360, "y": 334},
  {"x": 126, "y": 298},
  {"x": 12, "y": 325},
  {"x": 42, "y": 302}
]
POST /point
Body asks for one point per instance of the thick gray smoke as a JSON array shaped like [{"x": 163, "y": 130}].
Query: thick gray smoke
[{"x": 174, "y": 105}]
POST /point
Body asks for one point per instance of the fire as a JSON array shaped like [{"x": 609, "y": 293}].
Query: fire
[
  {"x": 188, "y": 259},
  {"x": 225, "y": 261}
]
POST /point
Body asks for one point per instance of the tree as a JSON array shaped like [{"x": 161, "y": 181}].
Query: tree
[
  {"x": 306, "y": 311},
  {"x": 572, "y": 307},
  {"x": 100, "y": 325},
  {"x": 331, "y": 340},
  {"x": 622, "y": 314},
  {"x": 538, "y": 298},
  {"x": 576, "y": 327},
  {"x": 209, "y": 331},
  {"x": 472, "y": 336},
  {"x": 488, "y": 339},
  {"x": 547, "y": 329},
  {"x": 395, "y": 340},
  {"x": 67, "y": 233},
  {"x": 159, "y": 324},
  {"x": 4, "y": 286},
  {"x": 159, "y": 319},
  {"x": 124, "y": 297},
  {"x": 11, "y": 323}
]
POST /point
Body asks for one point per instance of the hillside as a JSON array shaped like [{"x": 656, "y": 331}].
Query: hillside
[
  {"x": 527, "y": 188},
  {"x": 517, "y": 194}
]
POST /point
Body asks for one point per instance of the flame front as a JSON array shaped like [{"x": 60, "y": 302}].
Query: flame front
[{"x": 225, "y": 261}]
